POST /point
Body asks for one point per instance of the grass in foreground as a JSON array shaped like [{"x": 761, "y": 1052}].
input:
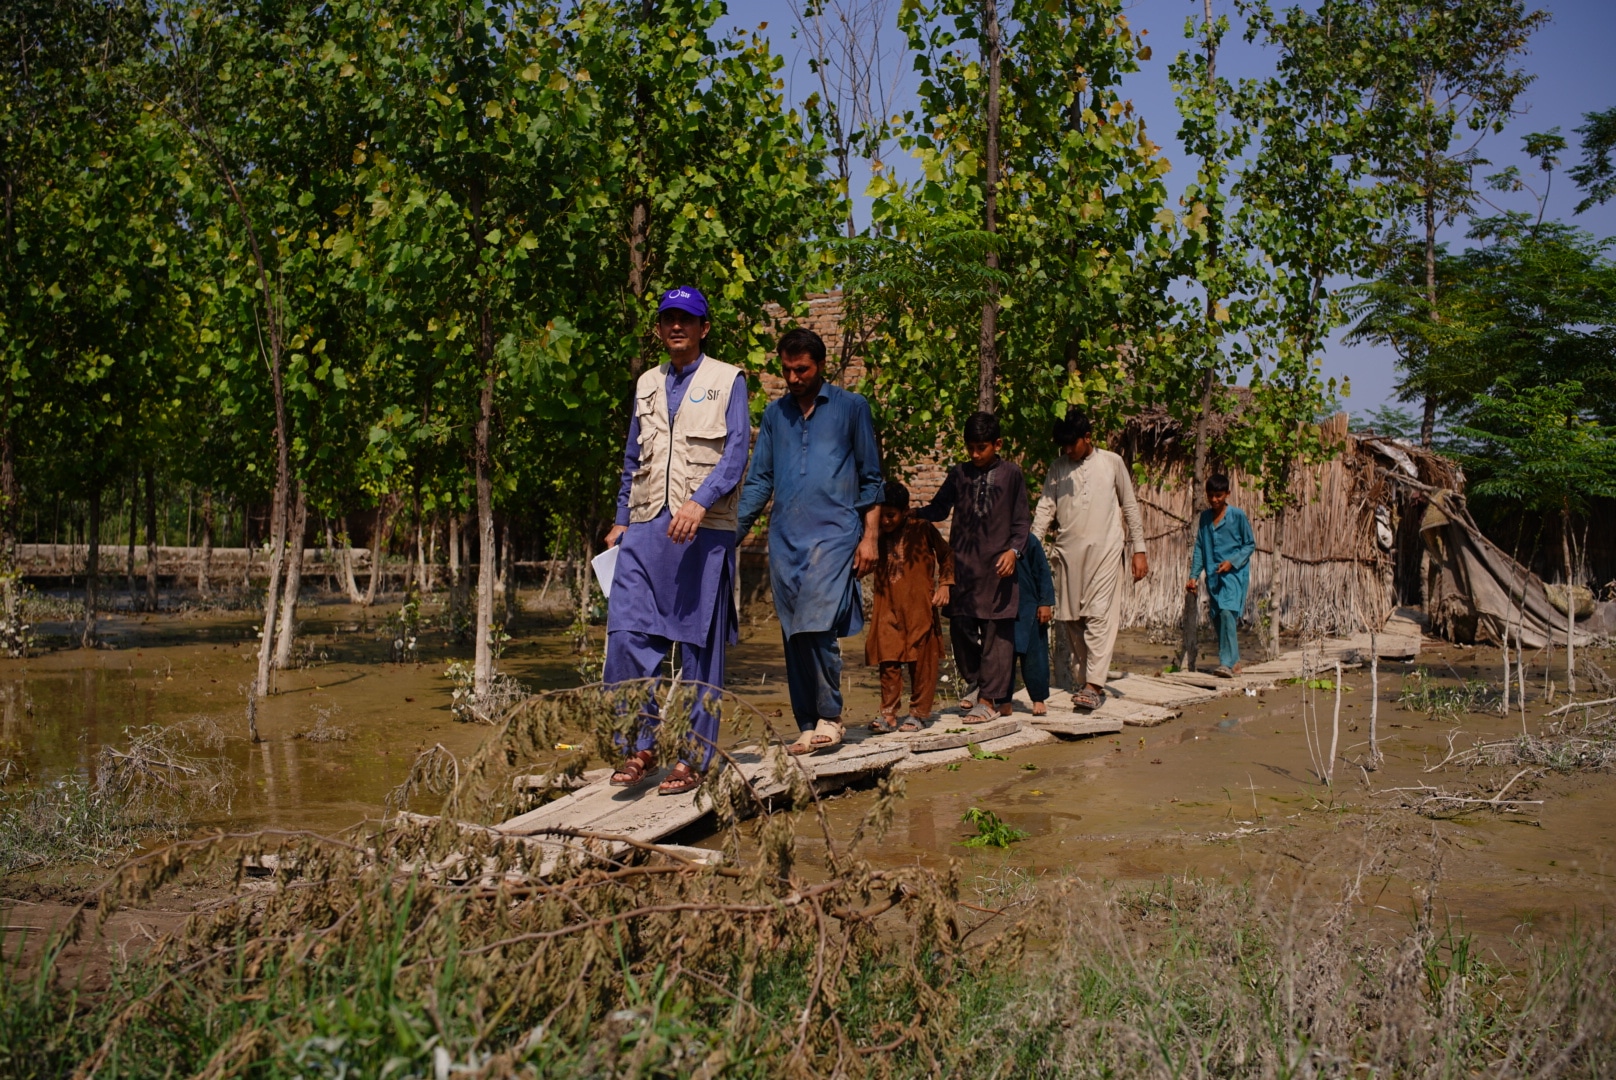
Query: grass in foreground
[{"x": 431, "y": 949}]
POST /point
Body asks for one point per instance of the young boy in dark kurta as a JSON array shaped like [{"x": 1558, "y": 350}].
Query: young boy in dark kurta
[
  {"x": 987, "y": 497},
  {"x": 912, "y": 580}
]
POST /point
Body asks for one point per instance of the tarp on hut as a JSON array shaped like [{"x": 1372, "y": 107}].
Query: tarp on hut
[{"x": 1476, "y": 593}]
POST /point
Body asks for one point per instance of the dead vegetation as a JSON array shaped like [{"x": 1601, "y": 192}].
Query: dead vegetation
[{"x": 160, "y": 780}]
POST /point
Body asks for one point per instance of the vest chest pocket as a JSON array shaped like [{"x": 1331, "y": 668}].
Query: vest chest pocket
[{"x": 705, "y": 451}]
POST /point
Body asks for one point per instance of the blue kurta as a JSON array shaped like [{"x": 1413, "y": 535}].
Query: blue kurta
[
  {"x": 673, "y": 590},
  {"x": 823, "y": 473},
  {"x": 1037, "y": 590},
  {"x": 1230, "y": 540}
]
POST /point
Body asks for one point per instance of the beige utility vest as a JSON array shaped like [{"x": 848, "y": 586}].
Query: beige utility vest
[{"x": 676, "y": 458}]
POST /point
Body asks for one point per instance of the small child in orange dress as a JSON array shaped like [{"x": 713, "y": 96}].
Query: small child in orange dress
[{"x": 912, "y": 579}]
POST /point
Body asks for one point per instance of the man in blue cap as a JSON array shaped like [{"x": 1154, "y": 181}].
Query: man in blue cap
[{"x": 676, "y": 518}]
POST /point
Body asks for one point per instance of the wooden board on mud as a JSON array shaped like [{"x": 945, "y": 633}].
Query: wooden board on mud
[
  {"x": 1148, "y": 691},
  {"x": 948, "y": 733}
]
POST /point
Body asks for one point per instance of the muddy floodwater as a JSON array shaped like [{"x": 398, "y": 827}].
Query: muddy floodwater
[{"x": 1226, "y": 790}]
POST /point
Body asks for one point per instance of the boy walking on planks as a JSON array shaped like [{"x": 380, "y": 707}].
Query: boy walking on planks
[
  {"x": 1088, "y": 497},
  {"x": 987, "y": 497},
  {"x": 1223, "y": 546},
  {"x": 1032, "y": 617},
  {"x": 912, "y": 579}
]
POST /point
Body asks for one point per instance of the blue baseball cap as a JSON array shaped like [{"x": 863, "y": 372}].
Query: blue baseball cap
[{"x": 686, "y": 298}]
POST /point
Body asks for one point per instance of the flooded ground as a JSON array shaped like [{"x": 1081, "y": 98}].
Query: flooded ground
[{"x": 1227, "y": 790}]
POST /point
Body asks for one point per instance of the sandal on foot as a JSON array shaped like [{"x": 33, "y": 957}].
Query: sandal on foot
[
  {"x": 981, "y": 714},
  {"x": 804, "y": 743},
  {"x": 1223, "y": 672},
  {"x": 682, "y": 779},
  {"x": 913, "y": 723},
  {"x": 827, "y": 735},
  {"x": 884, "y": 724},
  {"x": 1087, "y": 698},
  {"x": 634, "y": 771}
]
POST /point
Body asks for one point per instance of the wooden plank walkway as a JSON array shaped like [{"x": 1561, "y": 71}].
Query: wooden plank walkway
[{"x": 1132, "y": 700}]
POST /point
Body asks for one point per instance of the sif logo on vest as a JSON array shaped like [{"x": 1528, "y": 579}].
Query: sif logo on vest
[{"x": 699, "y": 395}]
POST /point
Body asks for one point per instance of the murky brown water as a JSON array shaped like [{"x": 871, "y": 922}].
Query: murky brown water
[{"x": 1226, "y": 790}]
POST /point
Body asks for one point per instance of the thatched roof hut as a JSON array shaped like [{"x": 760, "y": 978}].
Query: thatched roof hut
[{"x": 1351, "y": 549}]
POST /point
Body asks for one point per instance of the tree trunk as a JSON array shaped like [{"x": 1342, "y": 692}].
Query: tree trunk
[
  {"x": 348, "y": 583},
  {"x": 483, "y": 665},
  {"x": 507, "y": 592},
  {"x": 8, "y": 523},
  {"x": 1190, "y": 620},
  {"x": 454, "y": 550},
  {"x": 92, "y": 567},
  {"x": 988, "y": 347},
  {"x": 639, "y": 224},
  {"x": 378, "y": 546},
  {"x": 1274, "y": 585},
  {"x": 1571, "y": 601},
  {"x": 206, "y": 571},
  {"x": 151, "y": 538},
  {"x": 286, "y": 637},
  {"x": 129, "y": 562},
  {"x": 1428, "y": 421}
]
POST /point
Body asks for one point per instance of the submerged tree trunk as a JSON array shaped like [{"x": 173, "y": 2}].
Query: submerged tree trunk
[
  {"x": 378, "y": 547},
  {"x": 507, "y": 591},
  {"x": 92, "y": 567},
  {"x": 286, "y": 637},
  {"x": 151, "y": 538},
  {"x": 988, "y": 346},
  {"x": 349, "y": 585},
  {"x": 206, "y": 569},
  {"x": 483, "y": 665}
]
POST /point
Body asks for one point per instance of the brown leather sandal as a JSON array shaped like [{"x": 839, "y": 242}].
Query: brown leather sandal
[
  {"x": 682, "y": 779},
  {"x": 634, "y": 771}
]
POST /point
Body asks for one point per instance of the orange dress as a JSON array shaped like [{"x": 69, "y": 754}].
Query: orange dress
[{"x": 915, "y": 559}]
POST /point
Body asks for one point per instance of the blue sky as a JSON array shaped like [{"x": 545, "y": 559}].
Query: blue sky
[{"x": 1570, "y": 58}]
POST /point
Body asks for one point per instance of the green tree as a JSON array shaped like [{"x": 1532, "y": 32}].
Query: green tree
[
  {"x": 1443, "y": 73},
  {"x": 1596, "y": 175},
  {"x": 1540, "y": 450},
  {"x": 1069, "y": 279}
]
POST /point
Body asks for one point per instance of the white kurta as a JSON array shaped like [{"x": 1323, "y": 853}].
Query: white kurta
[{"x": 1088, "y": 503}]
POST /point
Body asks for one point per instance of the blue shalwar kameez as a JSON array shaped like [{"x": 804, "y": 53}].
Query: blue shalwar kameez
[
  {"x": 1216, "y": 542},
  {"x": 1032, "y": 637},
  {"x": 664, "y": 592},
  {"x": 823, "y": 472}
]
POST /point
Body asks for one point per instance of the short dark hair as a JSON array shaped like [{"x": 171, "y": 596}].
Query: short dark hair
[
  {"x": 803, "y": 342},
  {"x": 981, "y": 427},
  {"x": 1072, "y": 427},
  {"x": 1217, "y": 484},
  {"x": 895, "y": 495}
]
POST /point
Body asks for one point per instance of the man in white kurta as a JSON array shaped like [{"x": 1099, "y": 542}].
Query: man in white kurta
[{"x": 1088, "y": 497}]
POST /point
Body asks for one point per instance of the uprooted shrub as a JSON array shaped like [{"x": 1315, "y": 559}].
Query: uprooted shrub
[{"x": 151, "y": 786}]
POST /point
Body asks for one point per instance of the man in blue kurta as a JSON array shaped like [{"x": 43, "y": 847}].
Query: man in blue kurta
[
  {"x": 675, "y": 527},
  {"x": 816, "y": 457},
  {"x": 1224, "y": 543}
]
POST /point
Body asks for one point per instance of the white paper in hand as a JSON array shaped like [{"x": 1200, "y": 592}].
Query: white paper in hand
[{"x": 605, "y": 565}]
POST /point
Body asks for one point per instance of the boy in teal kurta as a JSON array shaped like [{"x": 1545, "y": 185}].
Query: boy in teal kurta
[{"x": 1223, "y": 546}]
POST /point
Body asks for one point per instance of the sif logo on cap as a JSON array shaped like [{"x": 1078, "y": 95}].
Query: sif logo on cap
[{"x": 684, "y": 298}]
